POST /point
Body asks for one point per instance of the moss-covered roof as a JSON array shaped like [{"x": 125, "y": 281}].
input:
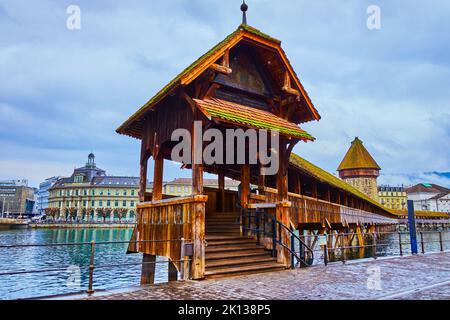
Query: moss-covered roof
[
  {"x": 195, "y": 65},
  {"x": 250, "y": 117},
  {"x": 326, "y": 177},
  {"x": 357, "y": 157}
]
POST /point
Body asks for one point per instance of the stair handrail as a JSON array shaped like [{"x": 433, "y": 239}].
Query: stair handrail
[{"x": 275, "y": 222}]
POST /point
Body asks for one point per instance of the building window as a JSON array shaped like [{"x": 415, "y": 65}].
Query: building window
[
  {"x": 132, "y": 192},
  {"x": 85, "y": 192},
  {"x": 67, "y": 204},
  {"x": 101, "y": 192},
  {"x": 100, "y": 203},
  {"x": 109, "y": 192},
  {"x": 93, "y": 192},
  {"x": 108, "y": 203},
  {"x": 172, "y": 189},
  {"x": 179, "y": 189},
  {"x": 186, "y": 189},
  {"x": 124, "y": 203},
  {"x": 116, "y": 203},
  {"x": 92, "y": 203},
  {"x": 117, "y": 192},
  {"x": 124, "y": 192},
  {"x": 76, "y": 192},
  {"x": 78, "y": 178},
  {"x": 84, "y": 203},
  {"x": 132, "y": 203}
]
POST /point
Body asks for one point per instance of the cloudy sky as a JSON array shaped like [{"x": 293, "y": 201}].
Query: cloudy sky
[{"x": 64, "y": 92}]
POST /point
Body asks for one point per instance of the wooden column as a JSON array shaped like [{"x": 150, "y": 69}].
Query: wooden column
[
  {"x": 297, "y": 184},
  {"x": 221, "y": 197},
  {"x": 158, "y": 179},
  {"x": 173, "y": 272},
  {"x": 143, "y": 178},
  {"x": 148, "y": 269},
  {"x": 282, "y": 208},
  {"x": 245, "y": 184},
  {"x": 198, "y": 214},
  {"x": 261, "y": 181},
  {"x": 314, "y": 189}
]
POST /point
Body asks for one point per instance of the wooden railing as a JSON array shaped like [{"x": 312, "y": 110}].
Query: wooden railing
[
  {"x": 305, "y": 209},
  {"x": 217, "y": 204},
  {"x": 169, "y": 221}
]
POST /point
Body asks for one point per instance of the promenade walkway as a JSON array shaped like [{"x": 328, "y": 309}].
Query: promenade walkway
[{"x": 412, "y": 277}]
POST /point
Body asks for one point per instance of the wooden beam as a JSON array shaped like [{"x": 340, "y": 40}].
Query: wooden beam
[
  {"x": 287, "y": 85},
  {"x": 221, "y": 198},
  {"x": 143, "y": 172},
  {"x": 221, "y": 69},
  {"x": 197, "y": 167},
  {"x": 189, "y": 101}
]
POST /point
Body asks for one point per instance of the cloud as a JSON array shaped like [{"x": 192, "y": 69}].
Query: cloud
[{"x": 63, "y": 93}]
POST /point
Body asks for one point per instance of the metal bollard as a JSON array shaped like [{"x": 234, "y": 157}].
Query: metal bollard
[
  {"x": 440, "y": 241},
  {"x": 90, "y": 289},
  {"x": 374, "y": 245},
  {"x": 325, "y": 254},
  {"x": 421, "y": 243},
  {"x": 400, "y": 243},
  {"x": 343, "y": 255}
]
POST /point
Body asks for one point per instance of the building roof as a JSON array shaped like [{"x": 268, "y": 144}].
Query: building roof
[
  {"x": 250, "y": 117},
  {"x": 357, "y": 157},
  {"x": 427, "y": 188},
  {"x": 328, "y": 178},
  {"x": 204, "y": 62},
  {"x": 439, "y": 195}
]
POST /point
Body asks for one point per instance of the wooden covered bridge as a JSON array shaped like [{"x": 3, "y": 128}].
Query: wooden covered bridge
[{"x": 244, "y": 82}]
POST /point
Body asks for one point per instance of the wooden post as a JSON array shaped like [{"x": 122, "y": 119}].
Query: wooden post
[
  {"x": 282, "y": 208},
  {"x": 198, "y": 235},
  {"x": 173, "y": 272},
  {"x": 221, "y": 198},
  {"x": 143, "y": 178},
  {"x": 245, "y": 184},
  {"x": 261, "y": 182},
  {"x": 148, "y": 269},
  {"x": 158, "y": 179}
]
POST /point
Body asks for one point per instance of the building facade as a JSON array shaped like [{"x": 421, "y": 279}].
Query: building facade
[
  {"x": 16, "y": 198},
  {"x": 183, "y": 186},
  {"x": 42, "y": 194},
  {"x": 360, "y": 170},
  {"x": 392, "y": 197},
  {"x": 429, "y": 197},
  {"x": 91, "y": 195}
]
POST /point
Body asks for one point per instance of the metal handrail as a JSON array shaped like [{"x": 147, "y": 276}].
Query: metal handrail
[{"x": 276, "y": 240}]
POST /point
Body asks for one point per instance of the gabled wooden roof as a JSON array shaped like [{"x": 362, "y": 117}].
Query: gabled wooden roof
[
  {"x": 234, "y": 113},
  {"x": 357, "y": 157},
  {"x": 204, "y": 62}
]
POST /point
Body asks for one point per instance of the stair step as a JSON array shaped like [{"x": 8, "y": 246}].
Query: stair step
[
  {"x": 230, "y": 242},
  {"x": 242, "y": 270},
  {"x": 221, "y": 238},
  {"x": 233, "y": 248},
  {"x": 240, "y": 261},
  {"x": 233, "y": 255}
]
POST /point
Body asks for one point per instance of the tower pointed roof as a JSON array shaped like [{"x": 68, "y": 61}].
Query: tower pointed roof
[{"x": 357, "y": 157}]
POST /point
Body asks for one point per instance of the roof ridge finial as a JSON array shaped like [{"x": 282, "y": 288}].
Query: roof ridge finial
[{"x": 244, "y": 8}]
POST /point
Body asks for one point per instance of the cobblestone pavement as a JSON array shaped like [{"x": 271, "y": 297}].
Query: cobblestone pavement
[{"x": 413, "y": 277}]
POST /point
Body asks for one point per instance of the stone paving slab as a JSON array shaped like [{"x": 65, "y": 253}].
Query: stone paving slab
[{"x": 412, "y": 277}]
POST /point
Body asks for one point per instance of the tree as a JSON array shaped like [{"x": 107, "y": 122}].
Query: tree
[
  {"x": 122, "y": 212},
  {"x": 73, "y": 213},
  {"x": 101, "y": 212}
]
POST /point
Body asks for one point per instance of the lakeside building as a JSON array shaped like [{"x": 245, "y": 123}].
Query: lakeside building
[
  {"x": 183, "y": 186},
  {"x": 16, "y": 198},
  {"x": 360, "y": 170},
  {"x": 90, "y": 194},
  {"x": 392, "y": 197},
  {"x": 429, "y": 197},
  {"x": 43, "y": 193}
]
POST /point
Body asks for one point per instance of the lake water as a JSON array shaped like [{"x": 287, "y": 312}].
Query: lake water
[
  {"x": 69, "y": 258},
  {"x": 74, "y": 260}
]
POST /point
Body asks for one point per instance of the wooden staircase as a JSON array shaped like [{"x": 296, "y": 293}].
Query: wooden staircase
[{"x": 230, "y": 254}]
